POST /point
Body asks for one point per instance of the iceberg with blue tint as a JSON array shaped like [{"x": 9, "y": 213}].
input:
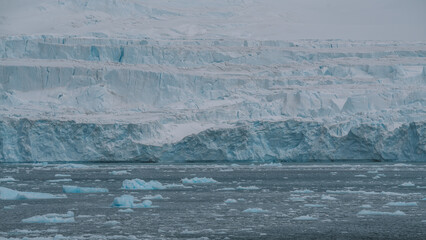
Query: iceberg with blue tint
[
  {"x": 128, "y": 201},
  {"x": 10, "y": 194},
  {"x": 76, "y": 189},
  {"x": 198, "y": 180},
  {"x": 74, "y": 99},
  {"x": 138, "y": 184}
]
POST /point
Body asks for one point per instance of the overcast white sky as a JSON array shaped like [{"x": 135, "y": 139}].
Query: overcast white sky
[{"x": 249, "y": 19}]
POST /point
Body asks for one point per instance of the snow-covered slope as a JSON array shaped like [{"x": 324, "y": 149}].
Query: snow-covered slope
[{"x": 110, "y": 94}]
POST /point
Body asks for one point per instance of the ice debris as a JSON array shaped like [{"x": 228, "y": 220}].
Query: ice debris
[
  {"x": 255, "y": 210},
  {"x": 408, "y": 184},
  {"x": 75, "y": 189},
  {"x": 138, "y": 184},
  {"x": 121, "y": 172},
  {"x": 402, "y": 204},
  {"x": 197, "y": 180},
  {"x": 230, "y": 200},
  {"x": 368, "y": 212},
  {"x": 128, "y": 201},
  {"x": 51, "y": 218},
  {"x": 7, "y": 179},
  {"x": 305, "y": 218},
  {"x": 10, "y": 194}
]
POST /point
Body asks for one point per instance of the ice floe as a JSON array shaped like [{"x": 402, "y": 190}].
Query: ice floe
[
  {"x": 76, "y": 189},
  {"x": 255, "y": 210},
  {"x": 368, "y": 212},
  {"x": 51, "y": 218},
  {"x": 197, "y": 180},
  {"x": 128, "y": 201},
  {"x": 10, "y": 194},
  {"x": 138, "y": 184}
]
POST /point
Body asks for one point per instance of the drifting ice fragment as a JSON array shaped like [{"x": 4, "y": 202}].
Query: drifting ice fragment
[
  {"x": 51, "y": 218},
  {"x": 138, "y": 184}
]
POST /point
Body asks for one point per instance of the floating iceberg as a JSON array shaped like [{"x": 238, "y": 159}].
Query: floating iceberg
[
  {"x": 128, "y": 201},
  {"x": 7, "y": 179},
  {"x": 75, "y": 189},
  {"x": 197, "y": 180},
  {"x": 230, "y": 200},
  {"x": 10, "y": 194},
  {"x": 305, "y": 218},
  {"x": 402, "y": 204},
  {"x": 368, "y": 212},
  {"x": 138, "y": 184},
  {"x": 154, "y": 197},
  {"x": 51, "y": 218},
  {"x": 255, "y": 210}
]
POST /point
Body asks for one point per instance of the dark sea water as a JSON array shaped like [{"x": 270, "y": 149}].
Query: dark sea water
[{"x": 293, "y": 201}]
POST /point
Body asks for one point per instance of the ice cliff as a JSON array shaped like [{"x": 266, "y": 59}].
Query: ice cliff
[
  {"x": 174, "y": 81},
  {"x": 109, "y": 99}
]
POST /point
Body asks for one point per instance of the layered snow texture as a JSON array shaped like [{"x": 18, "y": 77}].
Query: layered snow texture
[
  {"x": 51, "y": 218},
  {"x": 10, "y": 194},
  {"x": 103, "y": 99},
  {"x": 128, "y": 201},
  {"x": 187, "y": 81}
]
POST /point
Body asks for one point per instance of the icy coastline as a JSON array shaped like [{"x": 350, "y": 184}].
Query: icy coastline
[{"x": 106, "y": 99}]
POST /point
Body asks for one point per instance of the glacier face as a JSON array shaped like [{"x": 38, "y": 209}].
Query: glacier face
[{"x": 112, "y": 99}]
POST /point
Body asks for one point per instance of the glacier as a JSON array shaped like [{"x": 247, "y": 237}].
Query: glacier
[
  {"x": 132, "y": 81},
  {"x": 108, "y": 99}
]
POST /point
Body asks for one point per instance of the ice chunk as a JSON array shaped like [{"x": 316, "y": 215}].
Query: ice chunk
[
  {"x": 408, "y": 184},
  {"x": 73, "y": 166},
  {"x": 154, "y": 197},
  {"x": 327, "y": 197},
  {"x": 60, "y": 180},
  {"x": 305, "y": 218},
  {"x": 121, "y": 172},
  {"x": 127, "y": 210},
  {"x": 248, "y": 188},
  {"x": 7, "y": 179},
  {"x": 197, "y": 180},
  {"x": 230, "y": 200},
  {"x": 402, "y": 204},
  {"x": 75, "y": 189},
  {"x": 297, "y": 199},
  {"x": 302, "y": 191},
  {"x": 365, "y": 192},
  {"x": 314, "y": 205},
  {"x": 138, "y": 184},
  {"x": 112, "y": 223},
  {"x": 366, "y": 206},
  {"x": 62, "y": 175},
  {"x": 128, "y": 201},
  {"x": 51, "y": 218},
  {"x": 10, "y": 194},
  {"x": 368, "y": 212},
  {"x": 255, "y": 210}
]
